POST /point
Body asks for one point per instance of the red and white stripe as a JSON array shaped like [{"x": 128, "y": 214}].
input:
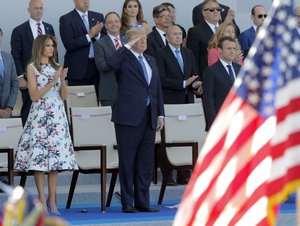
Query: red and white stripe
[{"x": 228, "y": 183}]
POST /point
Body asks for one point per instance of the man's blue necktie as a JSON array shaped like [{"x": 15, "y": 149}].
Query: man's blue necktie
[
  {"x": 87, "y": 26},
  {"x": 179, "y": 59},
  {"x": 230, "y": 72},
  {"x": 140, "y": 57},
  {"x": 1, "y": 68}
]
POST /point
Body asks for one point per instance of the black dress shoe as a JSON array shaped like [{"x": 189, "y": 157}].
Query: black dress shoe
[
  {"x": 182, "y": 180},
  {"x": 146, "y": 209},
  {"x": 129, "y": 209},
  {"x": 171, "y": 182}
]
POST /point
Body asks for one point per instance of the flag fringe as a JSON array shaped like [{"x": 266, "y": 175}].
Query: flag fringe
[{"x": 276, "y": 199}]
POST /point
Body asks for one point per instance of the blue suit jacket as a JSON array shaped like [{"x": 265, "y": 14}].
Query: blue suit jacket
[
  {"x": 130, "y": 106},
  {"x": 21, "y": 44},
  {"x": 247, "y": 38},
  {"x": 73, "y": 35}
]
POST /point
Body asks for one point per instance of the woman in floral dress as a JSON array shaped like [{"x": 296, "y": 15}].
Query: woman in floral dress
[{"x": 45, "y": 145}]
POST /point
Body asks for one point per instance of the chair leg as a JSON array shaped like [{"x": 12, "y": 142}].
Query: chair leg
[
  {"x": 72, "y": 188},
  {"x": 23, "y": 179},
  {"x": 163, "y": 187},
  {"x": 113, "y": 180},
  {"x": 103, "y": 190},
  {"x": 155, "y": 164}
]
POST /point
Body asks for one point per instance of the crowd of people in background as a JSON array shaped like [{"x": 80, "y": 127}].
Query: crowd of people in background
[{"x": 134, "y": 68}]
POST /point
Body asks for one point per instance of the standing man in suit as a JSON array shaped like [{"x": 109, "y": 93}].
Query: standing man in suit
[
  {"x": 8, "y": 82},
  {"x": 137, "y": 113},
  {"x": 79, "y": 29},
  {"x": 247, "y": 37},
  {"x": 179, "y": 76},
  {"x": 157, "y": 38},
  {"x": 21, "y": 46},
  {"x": 199, "y": 36},
  {"x": 218, "y": 79},
  {"x": 227, "y": 14},
  {"x": 104, "y": 49}
]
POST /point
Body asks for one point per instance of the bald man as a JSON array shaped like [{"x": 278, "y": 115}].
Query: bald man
[{"x": 21, "y": 46}]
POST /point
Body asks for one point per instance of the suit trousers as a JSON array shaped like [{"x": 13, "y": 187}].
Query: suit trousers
[
  {"x": 136, "y": 154},
  {"x": 91, "y": 77}
]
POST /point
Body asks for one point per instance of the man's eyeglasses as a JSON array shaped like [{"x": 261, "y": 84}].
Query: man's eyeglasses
[
  {"x": 261, "y": 16},
  {"x": 219, "y": 9}
]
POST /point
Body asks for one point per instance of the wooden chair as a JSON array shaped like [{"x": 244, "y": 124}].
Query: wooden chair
[
  {"x": 10, "y": 133},
  {"x": 94, "y": 139},
  {"x": 182, "y": 137}
]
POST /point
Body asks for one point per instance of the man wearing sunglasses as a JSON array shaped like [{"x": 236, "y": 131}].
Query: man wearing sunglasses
[
  {"x": 226, "y": 14},
  {"x": 199, "y": 36},
  {"x": 247, "y": 37}
]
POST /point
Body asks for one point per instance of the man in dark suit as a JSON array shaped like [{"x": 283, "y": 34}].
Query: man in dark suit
[
  {"x": 137, "y": 113},
  {"x": 8, "y": 82},
  {"x": 247, "y": 37},
  {"x": 21, "y": 47},
  {"x": 79, "y": 29},
  {"x": 226, "y": 14},
  {"x": 218, "y": 79},
  {"x": 178, "y": 75},
  {"x": 157, "y": 38},
  {"x": 199, "y": 36},
  {"x": 104, "y": 49}
]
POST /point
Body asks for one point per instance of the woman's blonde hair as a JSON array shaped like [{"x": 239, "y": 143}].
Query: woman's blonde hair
[{"x": 213, "y": 43}]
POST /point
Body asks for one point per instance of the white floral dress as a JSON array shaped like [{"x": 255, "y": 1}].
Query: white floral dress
[{"x": 45, "y": 144}]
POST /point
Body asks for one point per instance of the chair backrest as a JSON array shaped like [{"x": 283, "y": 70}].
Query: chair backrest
[
  {"x": 10, "y": 133},
  {"x": 183, "y": 123},
  {"x": 81, "y": 96},
  {"x": 93, "y": 126},
  {"x": 18, "y": 106}
]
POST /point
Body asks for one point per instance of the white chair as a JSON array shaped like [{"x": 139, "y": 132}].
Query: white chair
[
  {"x": 94, "y": 140},
  {"x": 81, "y": 96},
  {"x": 182, "y": 137},
  {"x": 18, "y": 106},
  {"x": 10, "y": 133}
]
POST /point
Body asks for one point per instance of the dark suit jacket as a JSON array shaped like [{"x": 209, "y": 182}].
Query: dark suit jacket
[
  {"x": 246, "y": 39},
  {"x": 198, "y": 16},
  {"x": 10, "y": 88},
  {"x": 73, "y": 35},
  {"x": 216, "y": 86},
  {"x": 154, "y": 42},
  {"x": 21, "y": 44},
  {"x": 172, "y": 77},
  {"x": 197, "y": 41},
  {"x": 104, "y": 49},
  {"x": 130, "y": 107}
]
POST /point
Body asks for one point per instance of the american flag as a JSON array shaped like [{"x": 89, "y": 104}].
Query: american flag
[{"x": 250, "y": 161}]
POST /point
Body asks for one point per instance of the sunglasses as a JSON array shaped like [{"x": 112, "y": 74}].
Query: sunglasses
[
  {"x": 261, "y": 16},
  {"x": 219, "y": 9}
]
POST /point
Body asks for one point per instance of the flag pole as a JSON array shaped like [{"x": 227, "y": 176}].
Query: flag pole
[{"x": 298, "y": 206}]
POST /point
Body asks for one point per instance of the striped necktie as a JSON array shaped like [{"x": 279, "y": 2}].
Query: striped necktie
[
  {"x": 117, "y": 44},
  {"x": 39, "y": 29}
]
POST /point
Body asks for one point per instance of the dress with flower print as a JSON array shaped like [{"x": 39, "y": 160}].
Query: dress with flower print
[{"x": 45, "y": 144}]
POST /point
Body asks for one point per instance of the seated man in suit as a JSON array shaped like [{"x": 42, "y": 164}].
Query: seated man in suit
[
  {"x": 104, "y": 49},
  {"x": 9, "y": 85},
  {"x": 178, "y": 73},
  {"x": 218, "y": 79},
  {"x": 227, "y": 14},
  {"x": 247, "y": 37},
  {"x": 137, "y": 113}
]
